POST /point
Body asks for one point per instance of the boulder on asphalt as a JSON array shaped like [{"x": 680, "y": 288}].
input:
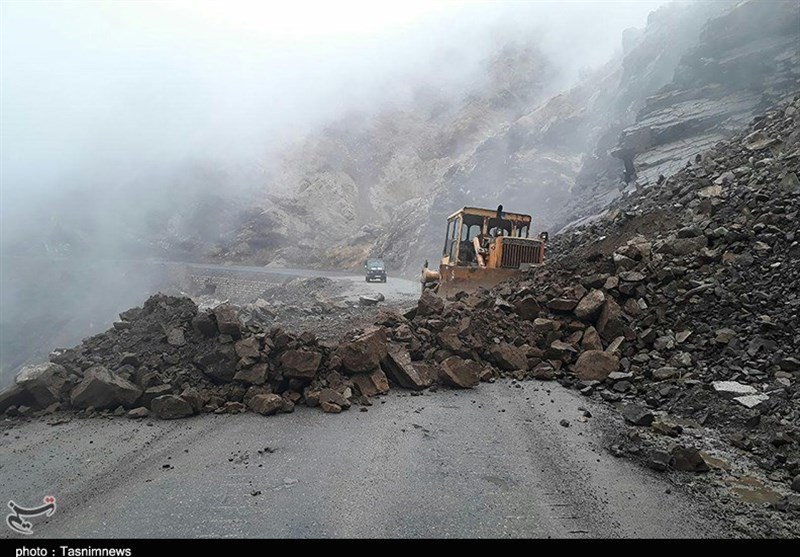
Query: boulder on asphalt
[
  {"x": 266, "y": 404},
  {"x": 171, "y": 407},
  {"x": 14, "y": 396},
  {"x": 371, "y": 384},
  {"x": 332, "y": 396},
  {"x": 637, "y": 415},
  {"x": 429, "y": 304},
  {"x": 100, "y": 388},
  {"x": 364, "y": 353},
  {"x": 330, "y": 407},
  {"x": 45, "y": 383},
  {"x": 300, "y": 364},
  {"x": 595, "y": 365},
  {"x": 458, "y": 372},
  {"x": 688, "y": 459},
  {"x": 398, "y": 366},
  {"x": 509, "y": 357},
  {"x": 228, "y": 322},
  {"x": 543, "y": 371},
  {"x": 590, "y": 305}
]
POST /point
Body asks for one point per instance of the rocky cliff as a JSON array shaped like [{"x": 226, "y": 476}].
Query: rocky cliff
[{"x": 382, "y": 184}]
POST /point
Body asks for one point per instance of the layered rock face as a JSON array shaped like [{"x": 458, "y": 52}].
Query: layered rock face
[{"x": 745, "y": 61}]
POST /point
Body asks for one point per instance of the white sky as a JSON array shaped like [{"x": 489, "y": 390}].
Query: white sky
[{"x": 115, "y": 85}]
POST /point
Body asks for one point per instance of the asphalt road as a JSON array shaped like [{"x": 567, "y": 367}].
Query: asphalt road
[{"x": 490, "y": 462}]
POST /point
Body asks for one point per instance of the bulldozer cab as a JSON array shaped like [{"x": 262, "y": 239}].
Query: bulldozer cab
[
  {"x": 483, "y": 247},
  {"x": 493, "y": 230}
]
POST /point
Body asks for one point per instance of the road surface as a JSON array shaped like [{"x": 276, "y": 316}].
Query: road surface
[{"x": 488, "y": 462}]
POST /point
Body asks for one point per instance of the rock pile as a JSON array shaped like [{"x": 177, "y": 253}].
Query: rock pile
[{"x": 173, "y": 360}]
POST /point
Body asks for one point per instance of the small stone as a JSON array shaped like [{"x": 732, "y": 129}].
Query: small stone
[
  {"x": 266, "y": 404},
  {"x": 175, "y": 337},
  {"x": 725, "y": 336},
  {"x": 138, "y": 413},
  {"x": 751, "y": 401},
  {"x": 688, "y": 459},
  {"x": 659, "y": 460},
  {"x": 637, "y": 415},
  {"x": 731, "y": 389},
  {"x": 330, "y": 407}
]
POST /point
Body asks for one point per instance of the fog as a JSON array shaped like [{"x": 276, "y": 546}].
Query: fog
[{"x": 122, "y": 121}]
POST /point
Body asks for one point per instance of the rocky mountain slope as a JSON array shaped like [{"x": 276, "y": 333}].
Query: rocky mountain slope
[
  {"x": 678, "y": 307},
  {"x": 383, "y": 184}
]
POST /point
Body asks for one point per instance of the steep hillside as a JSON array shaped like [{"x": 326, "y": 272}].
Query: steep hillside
[{"x": 382, "y": 184}]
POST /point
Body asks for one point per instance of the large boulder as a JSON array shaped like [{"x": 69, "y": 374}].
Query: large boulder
[
  {"x": 204, "y": 324},
  {"x": 45, "y": 382},
  {"x": 101, "y": 388},
  {"x": 266, "y": 404},
  {"x": 609, "y": 323},
  {"x": 14, "y": 396},
  {"x": 429, "y": 304},
  {"x": 591, "y": 340},
  {"x": 171, "y": 407},
  {"x": 255, "y": 375},
  {"x": 509, "y": 357},
  {"x": 364, "y": 353},
  {"x": 458, "y": 372},
  {"x": 218, "y": 362},
  {"x": 300, "y": 364},
  {"x": 595, "y": 365},
  {"x": 248, "y": 348},
  {"x": 228, "y": 321},
  {"x": 527, "y": 308},
  {"x": 590, "y": 305},
  {"x": 398, "y": 366},
  {"x": 372, "y": 384}
]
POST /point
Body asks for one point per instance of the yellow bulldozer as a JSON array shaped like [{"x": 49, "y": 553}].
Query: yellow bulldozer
[{"x": 483, "y": 247}]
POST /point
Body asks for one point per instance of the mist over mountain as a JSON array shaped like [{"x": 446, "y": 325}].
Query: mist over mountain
[{"x": 383, "y": 183}]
